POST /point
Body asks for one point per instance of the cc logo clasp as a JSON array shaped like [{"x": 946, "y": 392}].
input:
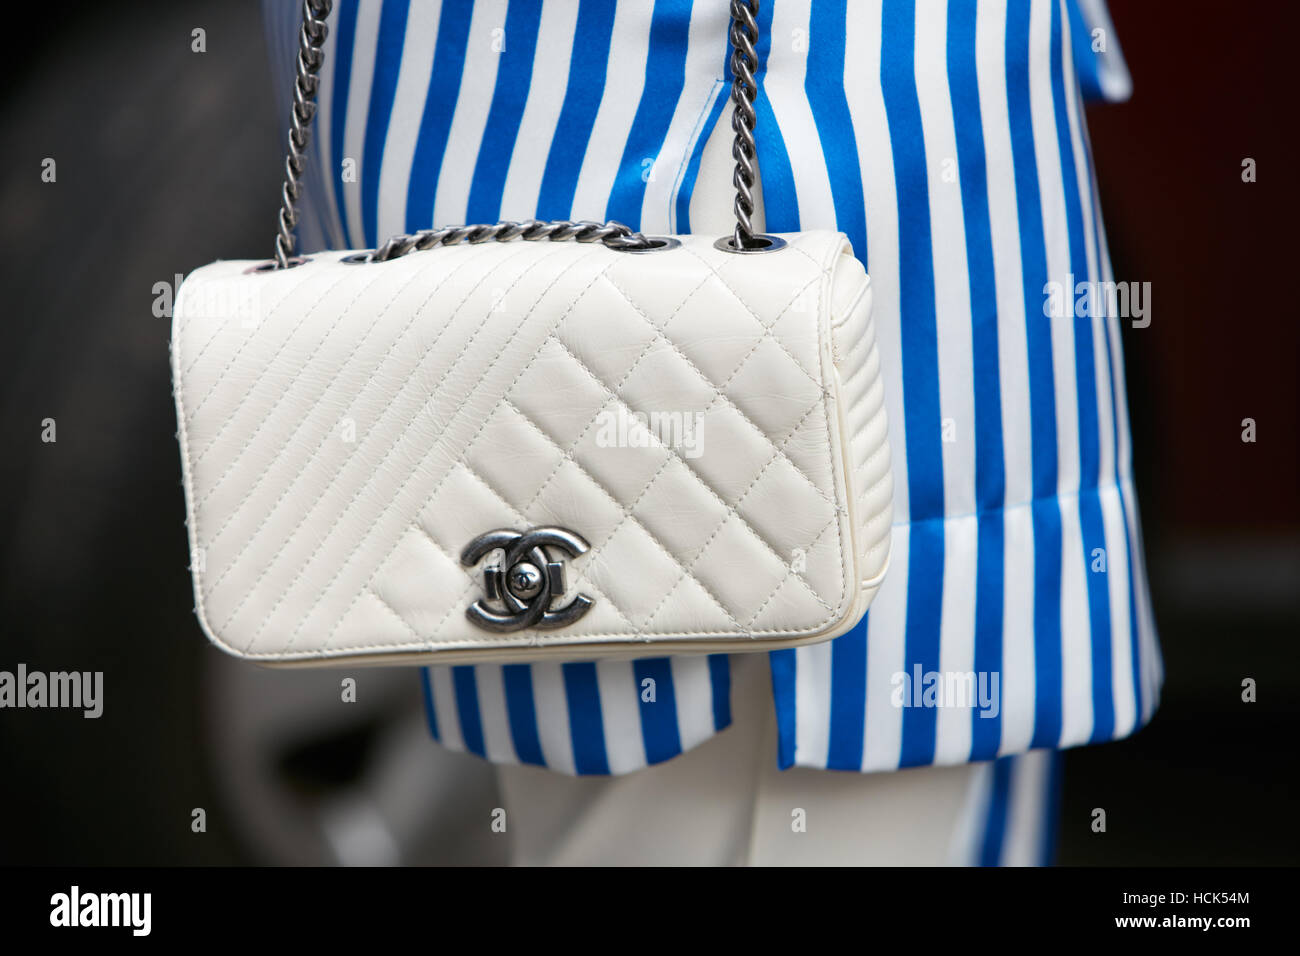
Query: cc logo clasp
[{"x": 520, "y": 589}]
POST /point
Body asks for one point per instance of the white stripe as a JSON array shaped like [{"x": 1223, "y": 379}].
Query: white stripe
[
  {"x": 951, "y": 275},
  {"x": 624, "y": 82},
  {"x": 546, "y": 92},
  {"x": 1019, "y": 689},
  {"x": 1076, "y": 636},
  {"x": 883, "y": 745},
  {"x": 552, "y": 708},
  {"x": 492, "y": 715},
  {"x": 1056, "y": 239},
  {"x": 812, "y": 682},
  {"x": 444, "y": 708},
  {"x": 468, "y": 122},
  {"x": 408, "y": 110},
  {"x": 1121, "y": 648},
  {"x": 358, "y": 113},
  {"x": 693, "y": 691},
  {"x": 712, "y": 195},
  {"x": 619, "y": 710},
  {"x": 1004, "y": 227},
  {"x": 956, "y": 638},
  {"x": 705, "y": 49}
]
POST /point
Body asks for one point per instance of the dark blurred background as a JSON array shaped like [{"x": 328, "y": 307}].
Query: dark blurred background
[{"x": 167, "y": 159}]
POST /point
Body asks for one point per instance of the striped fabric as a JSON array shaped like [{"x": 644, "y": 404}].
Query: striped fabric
[
  {"x": 1012, "y": 812},
  {"x": 947, "y": 140}
]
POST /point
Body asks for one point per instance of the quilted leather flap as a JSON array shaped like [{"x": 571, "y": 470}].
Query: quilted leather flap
[{"x": 347, "y": 430}]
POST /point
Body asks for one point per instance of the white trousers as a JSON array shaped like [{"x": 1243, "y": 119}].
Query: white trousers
[{"x": 725, "y": 803}]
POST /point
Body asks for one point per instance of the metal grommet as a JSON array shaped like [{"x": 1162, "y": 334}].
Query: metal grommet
[
  {"x": 357, "y": 258},
  {"x": 762, "y": 243},
  {"x": 655, "y": 244},
  {"x": 271, "y": 265}
]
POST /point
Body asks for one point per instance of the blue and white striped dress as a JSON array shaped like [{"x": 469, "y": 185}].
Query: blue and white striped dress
[{"x": 947, "y": 140}]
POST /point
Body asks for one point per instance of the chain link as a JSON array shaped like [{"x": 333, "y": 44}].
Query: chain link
[
  {"x": 744, "y": 60},
  {"x": 612, "y": 234},
  {"x": 615, "y": 235},
  {"x": 311, "y": 38}
]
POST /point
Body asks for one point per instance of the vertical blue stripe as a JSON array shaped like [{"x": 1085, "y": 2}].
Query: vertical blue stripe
[
  {"x": 471, "y": 721},
  {"x": 586, "y": 721},
  {"x": 824, "y": 83},
  {"x": 521, "y": 711},
  {"x": 848, "y": 699},
  {"x": 514, "y": 78},
  {"x": 1085, "y": 373},
  {"x": 785, "y": 665},
  {"x": 345, "y": 39},
  {"x": 1046, "y": 508},
  {"x": 439, "y": 106},
  {"x": 665, "y": 78},
  {"x": 780, "y": 202},
  {"x": 658, "y": 717},
  {"x": 720, "y": 681},
  {"x": 920, "y": 348},
  {"x": 430, "y": 714},
  {"x": 995, "y": 821},
  {"x": 383, "y": 90},
  {"x": 990, "y": 553},
  {"x": 587, "y": 66},
  {"x": 990, "y": 464}
]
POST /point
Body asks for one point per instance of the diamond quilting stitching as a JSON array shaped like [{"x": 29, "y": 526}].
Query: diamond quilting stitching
[
  {"x": 778, "y": 454},
  {"x": 766, "y": 326},
  {"x": 720, "y": 389},
  {"x": 626, "y": 509},
  {"x": 732, "y": 509},
  {"x": 625, "y": 485}
]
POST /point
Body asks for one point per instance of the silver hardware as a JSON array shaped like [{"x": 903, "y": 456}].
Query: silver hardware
[
  {"x": 762, "y": 242},
  {"x": 271, "y": 265},
  {"x": 526, "y": 579},
  {"x": 744, "y": 60},
  {"x": 614, "y": 235},
  {"x": 653, "y": 244},
  {"x": 311, "y": 38}
]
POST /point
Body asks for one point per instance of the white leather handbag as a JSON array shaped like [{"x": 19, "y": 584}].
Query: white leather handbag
[{"x": 532, "y": 440}]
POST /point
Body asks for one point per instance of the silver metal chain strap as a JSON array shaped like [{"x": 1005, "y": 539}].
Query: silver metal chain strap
[
  {"x": 615, "y": 235},
  {"x": 744, "y": 60},
  {"x": 311, "y": 39}
]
